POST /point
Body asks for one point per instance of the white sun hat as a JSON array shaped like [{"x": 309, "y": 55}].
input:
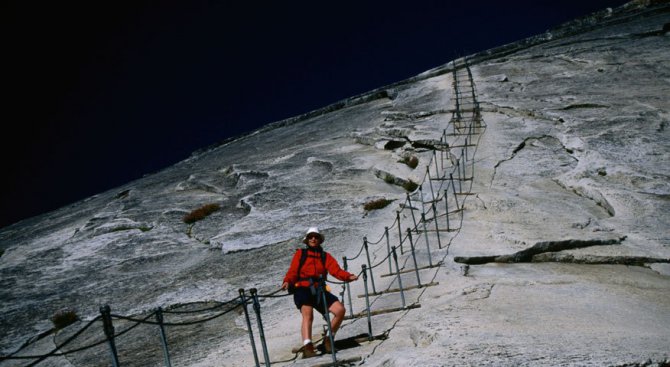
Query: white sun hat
[{"x": 313, "y": 230}]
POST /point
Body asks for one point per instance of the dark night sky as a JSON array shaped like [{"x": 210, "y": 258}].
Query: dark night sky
[{"x": 100, "y": 93}]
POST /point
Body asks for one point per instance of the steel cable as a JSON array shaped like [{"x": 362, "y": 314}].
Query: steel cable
[
  {"x": 53, "y": 352},
  {"x": 218, "y": 305}
]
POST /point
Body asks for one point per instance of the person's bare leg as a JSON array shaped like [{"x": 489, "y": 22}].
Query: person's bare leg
[
  {"x": 307, "y": 319},
  {"x": 337, "y": 309}
]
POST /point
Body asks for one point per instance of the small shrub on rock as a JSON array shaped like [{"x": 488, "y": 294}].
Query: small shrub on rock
[
  {"x": 377, "y": 204},
  {"x": 410, "y": 186},
  {"x": 201, "y": 213},
  {"x": 411, "y": 161},
  {"x": 63, "y": 318}
]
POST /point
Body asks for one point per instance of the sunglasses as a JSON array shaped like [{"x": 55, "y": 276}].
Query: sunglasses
[{"x": 313, "y": 236}]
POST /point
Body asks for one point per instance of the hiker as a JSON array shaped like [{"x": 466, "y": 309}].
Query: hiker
[{"x": 302, "y": 279}]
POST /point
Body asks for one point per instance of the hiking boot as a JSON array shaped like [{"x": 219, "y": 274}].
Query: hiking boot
[
  {"x": 308, "y": 351},
  {"x": 326, "y": 345}
]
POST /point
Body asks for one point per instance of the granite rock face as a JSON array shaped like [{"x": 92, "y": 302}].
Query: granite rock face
[{"x": 561, "y": 253}]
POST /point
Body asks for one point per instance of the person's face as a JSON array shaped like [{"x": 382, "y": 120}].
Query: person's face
[{"x": 313, "y": 240}]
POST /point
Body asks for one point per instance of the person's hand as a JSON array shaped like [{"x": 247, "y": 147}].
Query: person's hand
[
  {"x": 284, "y": 286},
  {"x": 353, "y": 277}
]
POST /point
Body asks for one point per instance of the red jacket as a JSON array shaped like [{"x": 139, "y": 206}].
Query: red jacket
[{"x": 312, "y": 268}]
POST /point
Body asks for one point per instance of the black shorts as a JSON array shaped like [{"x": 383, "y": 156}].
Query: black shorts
[{"x": 303, "y": 296}]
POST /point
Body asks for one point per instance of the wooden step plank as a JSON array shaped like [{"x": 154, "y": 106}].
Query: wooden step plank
[
  {"x": 381, "y": 312},
  {"x": 396, "y": 290},
  {"x": 412, "y": 270},
  {"x": 346, "y": 343}
]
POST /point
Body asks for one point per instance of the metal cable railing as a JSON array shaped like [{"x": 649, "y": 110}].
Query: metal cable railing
[{"x": 443, "y": 184}]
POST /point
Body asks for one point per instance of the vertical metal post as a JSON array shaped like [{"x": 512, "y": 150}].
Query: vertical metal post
[
  {"x": 466, "y": 145},
  {"x": 473, "y": 169},
  {"x": 399, "y": 231},
  {"x": 437, "y": 168},
  {"x": 425, "y": 234},
  {"x": 437, "y": 229},
  {"x": 472, "y": 83},
  {"x": 351, "y": 305},
  {"x": 326, "y": 315},
  {"x": 411, "y": 210},
  {"x": 447, "y": 150},
  {"x": 367, "y": 254},
  {"x": 458, "y": 107},
  {"x": 467, "y": 68},
  {"x": 107, "y": 326},
  {"x": 430, "y": 182},
  {"x": 243, "y": 302},
  {"x": 159, "y": 320},
  {"x": 470, "y": 127},
  {"x": 402, "y": 292},
  {"x": 416, "y": 226},
  {"x": 471, "y": 131},
  {"x": 451, "y": 177},
  {"x": 458, "y": 170},
  {"x": 257, "y": 309},
  {"x": 367, "y": 301},
  {"x": 388, "y": 248},
  {"x": 446, "y": 206},
  {"x": 416, "y": 267},
  {"x": 464, "y": 164}
]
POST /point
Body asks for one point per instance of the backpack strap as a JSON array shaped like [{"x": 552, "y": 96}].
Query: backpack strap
[{"x": 303, "y": 258}]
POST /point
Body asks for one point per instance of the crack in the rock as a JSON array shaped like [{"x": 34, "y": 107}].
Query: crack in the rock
[
  {"x": 596, "y": 260},
  {"x": 430, "y": 145},
  {"x": 583, "y": 105},
  {"x": 411, "y": 116},
  {"x": 588, "y": 40},
  {"x": 515, "y": 112},
  {"x": 600, "y": 201},
  {"x": 479, "y": 291},
  {"x": 425, "y": 144},
  {"x": 482, "y": 201},
  {"x": 519, "y": 148},
  {"x": 528, "y": 254}
]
